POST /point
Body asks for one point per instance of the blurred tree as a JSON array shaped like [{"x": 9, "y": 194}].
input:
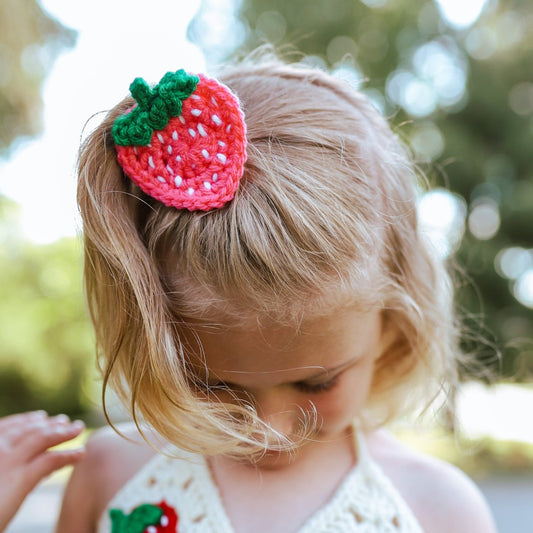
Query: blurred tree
[
  {"x": 44, "y": 333},
  {"x": 461, "y": 93},
  {"x": 45, "y": 337},
  {"x": 30, "y": 40}
]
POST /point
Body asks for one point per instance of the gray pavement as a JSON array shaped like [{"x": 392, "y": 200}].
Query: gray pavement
[
  {"x": 509, "y": 497},
  {"x": 511, "y": 501},
  {"x": 39, "y": 512}
]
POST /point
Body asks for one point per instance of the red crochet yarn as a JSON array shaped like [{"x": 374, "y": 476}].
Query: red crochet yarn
[
  {"x": 197, "y": 160},
  {"x": 168, "y": 522}
]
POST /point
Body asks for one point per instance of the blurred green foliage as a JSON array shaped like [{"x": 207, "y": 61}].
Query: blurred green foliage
[
  {"x": 30, "y": 40},
  {"x": 45, "y": 338},
  {"x": 477, "y": 457},
  {"x": 462, "y": 97}
]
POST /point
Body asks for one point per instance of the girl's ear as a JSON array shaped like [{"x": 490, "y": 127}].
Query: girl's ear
[{"x": 389, "y": 336}]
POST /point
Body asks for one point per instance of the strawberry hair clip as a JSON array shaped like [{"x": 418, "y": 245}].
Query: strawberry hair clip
[{"x": 184, "y": 141}]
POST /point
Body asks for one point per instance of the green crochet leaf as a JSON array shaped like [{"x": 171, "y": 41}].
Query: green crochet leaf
[
  {"x": 155, "y": 107},
  {"x": 137, "y": 521}
]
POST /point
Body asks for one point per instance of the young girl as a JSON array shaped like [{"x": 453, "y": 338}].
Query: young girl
[{"x": 264, "y": 302}]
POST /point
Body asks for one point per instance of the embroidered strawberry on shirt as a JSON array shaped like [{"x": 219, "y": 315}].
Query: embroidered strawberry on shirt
[
  {"x": 184, "y": 142},
  {"x": 145, "y": 518}
]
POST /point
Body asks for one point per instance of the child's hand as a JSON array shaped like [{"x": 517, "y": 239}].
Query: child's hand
[{"x": 24, "y": 456}]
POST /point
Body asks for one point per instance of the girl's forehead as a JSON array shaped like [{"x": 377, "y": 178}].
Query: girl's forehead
[{"x": 325, "y": 342}]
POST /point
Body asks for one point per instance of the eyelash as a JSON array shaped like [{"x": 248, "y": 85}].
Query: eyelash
[
  {"x": 220, "y": 386},
  {"x": 318, "y": 387},
  {"x": 302, "y": 386}
]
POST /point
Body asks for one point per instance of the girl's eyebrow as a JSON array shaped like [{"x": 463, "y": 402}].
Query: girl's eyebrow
[
  {"x": 335, "y": 370},
  {"x": 323, "y": 371}
]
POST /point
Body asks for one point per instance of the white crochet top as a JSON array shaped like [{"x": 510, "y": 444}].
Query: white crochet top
[{"x": 364, "y": 502}]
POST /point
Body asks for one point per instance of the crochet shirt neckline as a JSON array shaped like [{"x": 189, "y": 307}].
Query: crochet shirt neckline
[{"x": 364, "y": 501}]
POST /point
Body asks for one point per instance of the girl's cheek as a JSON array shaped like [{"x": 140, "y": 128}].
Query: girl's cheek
[
  {"x": 343, "y": 402},
  {"x": 333, "y": 404}
]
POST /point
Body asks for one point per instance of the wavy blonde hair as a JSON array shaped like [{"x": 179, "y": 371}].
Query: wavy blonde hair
[{"x": 325, "y": 217}]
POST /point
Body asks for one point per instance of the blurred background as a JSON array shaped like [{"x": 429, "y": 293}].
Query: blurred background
[{"x": 454, "y": 77}]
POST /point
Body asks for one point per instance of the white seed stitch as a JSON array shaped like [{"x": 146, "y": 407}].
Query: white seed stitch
[
  {"x": 228, "y": 128},
  {"x": 178, "y": 181},
  {"x": 213, "y": 100},
  {"x": 175, "y": 135},
  {"x": 135, "y": 150},
  {"x": 151, "y": 162},
  {"x": 151, "y": 529},
  {"x": 216, "y": 120},
  {"x": 164, "y": 521},
  {"x": 169, "y": 149},
  {"x": 149, "y": 145},
  {"x": 160, "y": 137},
  {"x": 192, "y": 133},
  {"x": 201, "y": 130},
  {"x": 182, "y": 120},
  {"x": 178, "y": 158},
  {"x": 195, "y": 97},
  {"x": 215, "y": 176},
  {"x": 161, "y": 179},
  {"x": 170, "y": 171},
  {"x": 221, "y": 143},
  {"x": 222, "y": 158},
  {"x": 205, "y": 153},
  {"x": 190, "y": 190},
  {"x": 207, "y": 185},
  {"x": 196, "y": 112}
]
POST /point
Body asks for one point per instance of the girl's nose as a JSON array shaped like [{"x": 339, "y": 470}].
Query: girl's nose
[{"x": 277, "y": 410}]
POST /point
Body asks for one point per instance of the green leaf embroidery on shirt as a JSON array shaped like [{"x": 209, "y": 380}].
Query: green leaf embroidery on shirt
[{"x": 137, "y": 521}]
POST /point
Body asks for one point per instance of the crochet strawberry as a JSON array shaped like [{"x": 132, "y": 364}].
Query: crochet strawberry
[
  {"x": 184, "y": 142},
  {"x": 146, "y": 518}
]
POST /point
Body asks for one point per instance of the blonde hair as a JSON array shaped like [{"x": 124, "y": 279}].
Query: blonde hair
[{"x": 325, "y": 217}]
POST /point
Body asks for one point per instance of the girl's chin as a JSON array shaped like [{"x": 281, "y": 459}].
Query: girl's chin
[{"x": 273, "y": 459}]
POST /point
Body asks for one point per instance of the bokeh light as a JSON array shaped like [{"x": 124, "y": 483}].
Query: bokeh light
[
  {"x": 226, "y": 31},
  {"x": 375, "y": 3},
  {"x": 436, "y": 78},
  {"x": 271, "y": 26},
  {"x": 512, "y": 262},
  {"x": 416, "y": 96},
  {"x": 341, "y": 47},
  {"x": 442, "y": 219},
  {"x": 523, "y": 288},
  {"x": 484, "y": 218},
  {"x": 481, "y": 43},
  {"x": 461, "y": 13},
  {"x": 444, "y": 68},
  {"x": 427, "y": 141},
  {"x": 521, "y": 98}
]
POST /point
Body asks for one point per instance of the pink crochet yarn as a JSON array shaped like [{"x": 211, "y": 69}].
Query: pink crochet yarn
[{"x": 197, "y": 160}]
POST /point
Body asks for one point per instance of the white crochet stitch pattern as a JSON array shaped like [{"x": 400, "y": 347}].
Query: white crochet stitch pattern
[{"x": 365, "y": 502}]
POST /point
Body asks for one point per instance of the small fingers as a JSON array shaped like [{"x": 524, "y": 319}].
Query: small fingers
[
  {"x": 46, "y": 463},
  {"x": 45, "y": 434},
  {"x": 21, "y": 419},
  {"x": 14, "y": 427}
]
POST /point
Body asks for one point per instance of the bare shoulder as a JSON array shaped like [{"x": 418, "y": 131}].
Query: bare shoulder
[
  {"x": 110, "y": 461},
  {"x": 440, "y": 495}
]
